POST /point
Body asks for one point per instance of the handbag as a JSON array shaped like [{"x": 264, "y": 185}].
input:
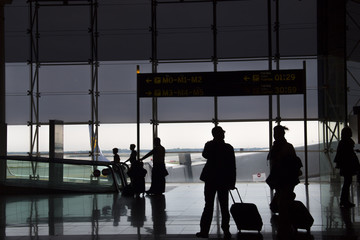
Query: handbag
[{"x": 271, "y": 181}]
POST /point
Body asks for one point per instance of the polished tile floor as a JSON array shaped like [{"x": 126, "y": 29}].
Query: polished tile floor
[{"x": 175, "y": 215}]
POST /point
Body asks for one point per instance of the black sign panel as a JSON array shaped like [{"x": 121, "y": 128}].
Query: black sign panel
[{"x": 240, "y": 83}]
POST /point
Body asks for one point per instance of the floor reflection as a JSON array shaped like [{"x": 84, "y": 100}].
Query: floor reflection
[
  {"x": 174, "y": 215},
  {"x": 159, "y": 217}
]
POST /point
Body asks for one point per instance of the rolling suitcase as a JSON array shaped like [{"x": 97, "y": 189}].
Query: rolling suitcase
[
  {"x": 300, "y": 216},
  {"x": 245, "y": 215}
]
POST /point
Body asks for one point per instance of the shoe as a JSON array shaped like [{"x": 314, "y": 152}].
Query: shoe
[
  {"x": 227, "y": 235},
  {"x": 202, "y": 235}
]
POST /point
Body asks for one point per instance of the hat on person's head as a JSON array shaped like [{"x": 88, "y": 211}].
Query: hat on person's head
[{"x": 217, "y": 130}]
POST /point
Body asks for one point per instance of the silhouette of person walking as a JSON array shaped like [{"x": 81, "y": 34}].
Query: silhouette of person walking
[
  {"x": 159, "y": 171},
  {"x": 284, "y": 176},
  {"x": 348, "y": 163},
  {"x": 219, "y": 175}
]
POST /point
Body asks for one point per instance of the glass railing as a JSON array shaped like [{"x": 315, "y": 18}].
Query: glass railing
[{"x": 64, "y": 175}]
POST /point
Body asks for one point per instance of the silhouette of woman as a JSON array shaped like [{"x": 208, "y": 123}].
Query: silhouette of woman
[
  {"x": 348, "y": 163},
  {"x": 284, "y": 176}
]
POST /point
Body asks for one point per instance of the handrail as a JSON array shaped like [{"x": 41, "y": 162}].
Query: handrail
[{"x": 56, "y": 160}]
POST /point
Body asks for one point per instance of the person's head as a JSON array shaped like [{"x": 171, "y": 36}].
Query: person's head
[
  {"x": 115, "y": 150},
  {"x": 157, "y": 141},
  {"x": 279, "y": 132},
  {"x": 132, "y": 146},
  {"x": 346, "y": 133},
  {"x": 218, "y": 133}
]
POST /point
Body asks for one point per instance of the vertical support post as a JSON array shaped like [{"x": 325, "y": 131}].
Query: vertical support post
[
  {"x": 34, "y": 92},
  {"x": 56, "y": 150},
  {"x": 154, "y": 62},
  {"x": 277, "y": 55},
  {"x": 215, "y": 58},
  {"x": 270, "y": 58},
  {"x": 345, "y": 68},
  {"x": 94, "y": 92},
  {"x": 31, "y": 70},
  {"x": 3, "y": 126},
  {"x": 305, "y": 130},
  {"x": 138, "y": 116},
  {"x": 215, "y": 63}
]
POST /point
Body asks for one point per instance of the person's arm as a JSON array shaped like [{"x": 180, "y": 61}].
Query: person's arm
[
  {"x": 206, "y": 150},
  {"x": 147, "y": 155},
  {"x": 233, "y": 168},
  {"x": 132, "y": 156}
]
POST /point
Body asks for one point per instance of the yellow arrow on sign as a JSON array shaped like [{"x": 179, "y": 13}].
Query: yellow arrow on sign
[{"x": 246, "y": 78}]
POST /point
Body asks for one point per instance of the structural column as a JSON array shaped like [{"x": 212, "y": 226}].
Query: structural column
[{"x": 3, "y": 127}]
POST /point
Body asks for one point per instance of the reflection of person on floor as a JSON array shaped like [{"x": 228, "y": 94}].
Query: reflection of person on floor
[
  {"x": 118, "y": 208},
  {"x": 159, "y": 171},
  {"x": 159, "y": 217},
  {"x": 348, "y": 163},
  {"x": 284, "y": 176},
  {"x": 219, "y": 175},
  {"x": 137, "y": 217}
]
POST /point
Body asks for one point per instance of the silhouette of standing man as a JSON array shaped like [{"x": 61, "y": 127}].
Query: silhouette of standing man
[
  {"x": 159, "y": 171},
  {"x": 219, "y": 175}
]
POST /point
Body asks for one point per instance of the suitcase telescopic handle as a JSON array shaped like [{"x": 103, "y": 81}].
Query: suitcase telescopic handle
[{"x": 237, "y": 193}]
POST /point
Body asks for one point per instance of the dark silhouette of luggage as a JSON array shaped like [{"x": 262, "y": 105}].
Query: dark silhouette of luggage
[
  {"x": 300, "y": 216},
  {"x": 245, "y": 215}
]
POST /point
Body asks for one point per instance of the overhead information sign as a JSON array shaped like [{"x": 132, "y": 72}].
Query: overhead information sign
[{"x": 206, "y": 84}]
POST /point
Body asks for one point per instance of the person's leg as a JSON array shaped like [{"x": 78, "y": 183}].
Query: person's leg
[
  {"x": 153, "y": 181},
  {"x": 157, "y": 181},
  {"x": 161, "y": 181},
  {"x": 223, "y": 195},
  {"x": 274, "y": 203},
  {"x": 345, "y": 192},
  {"x": 207, "y": 215},
  {"x": 285, "y": 198}
]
